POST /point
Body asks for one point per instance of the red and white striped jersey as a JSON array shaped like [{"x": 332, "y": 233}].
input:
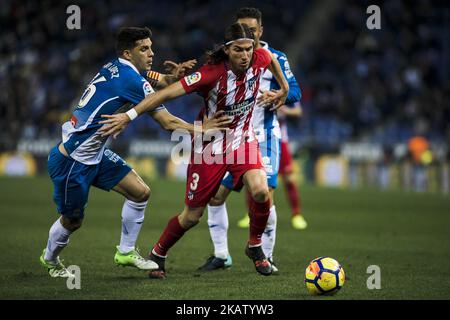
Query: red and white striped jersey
[{"x": 221, "y": 89}]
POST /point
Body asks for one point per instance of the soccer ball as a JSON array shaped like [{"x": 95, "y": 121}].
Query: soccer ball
[{"x": 324, "y": 276}]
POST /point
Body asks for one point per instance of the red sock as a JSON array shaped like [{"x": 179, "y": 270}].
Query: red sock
[
  {"x": 293, "y": 197},
  {"x": 169, "y": 237},
  {"x": 259, "y": 214}
]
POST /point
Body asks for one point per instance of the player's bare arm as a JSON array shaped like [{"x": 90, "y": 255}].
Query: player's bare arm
[
  {"x": 114, "y": 124},
  {"x": 169, "y": 122},
  {"x": 275, "y": 97},
  {"x": 175, "y": 71},
  {"x": 294, "y": 112}
]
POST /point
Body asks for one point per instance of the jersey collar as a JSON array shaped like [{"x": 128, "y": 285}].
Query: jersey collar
[{"x": 128, "y": 63}]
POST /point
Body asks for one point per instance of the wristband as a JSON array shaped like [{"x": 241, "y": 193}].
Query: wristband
[{"x": 132, "y": 114}]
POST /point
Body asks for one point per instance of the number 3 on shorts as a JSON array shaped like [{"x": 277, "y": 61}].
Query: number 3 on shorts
[{"x": 194, "y": 182}]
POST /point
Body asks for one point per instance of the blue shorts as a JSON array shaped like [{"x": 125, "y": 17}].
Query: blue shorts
[
  {"x": 72, "y": 179},
  {"x": 270, "y": 153}
]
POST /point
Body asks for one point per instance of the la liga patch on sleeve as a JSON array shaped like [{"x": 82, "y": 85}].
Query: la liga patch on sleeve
[
  {"x": 147, "y": 88},
  {"x": 193, "y": 78}
]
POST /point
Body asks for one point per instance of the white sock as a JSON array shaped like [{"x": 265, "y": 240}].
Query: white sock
[
  {"x": 218, "y": 228},
  {"x": 132, "y": 218},
  {"x": 58, "y": 238},
  {"x": 269, "y": 235}
]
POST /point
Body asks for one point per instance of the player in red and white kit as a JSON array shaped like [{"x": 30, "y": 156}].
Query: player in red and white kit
[
  {"x": 286, "y": 170},
  {"x": 229, "y": 83}
]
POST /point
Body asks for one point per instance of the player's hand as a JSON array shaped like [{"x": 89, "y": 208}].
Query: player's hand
[
  {"x": 178, "y": 70},
  {"x": 272, "y": 99},
  {"x": 219, "y": 122},
  {"x": 114, "y": 124}
]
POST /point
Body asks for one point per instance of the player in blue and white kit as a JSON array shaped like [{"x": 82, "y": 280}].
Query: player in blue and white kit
[
  {"x": 82, "y": 160},
  {"x": 267, "y": 129}
]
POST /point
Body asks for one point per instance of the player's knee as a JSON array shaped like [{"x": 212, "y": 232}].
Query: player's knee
[
  {"x": 260, "y": 193},
  {"x": 143, "y": 195},
  {"x": 71, "y": 224},
  {"x": 190, "y": 219},
  {"x": 146, "y": 194},
  {"x": 189, "y": 222}
]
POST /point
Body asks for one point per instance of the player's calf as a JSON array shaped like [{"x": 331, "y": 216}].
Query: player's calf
[{"x": 190, "y": 217}]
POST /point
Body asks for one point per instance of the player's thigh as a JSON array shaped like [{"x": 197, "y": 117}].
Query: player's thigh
[
  {"x": 203, "y": 182},
  {"x": 115, "y": 174},
  {"x": 224, "y": 190},
  {"x": 71, "y": 181},
  {"x": 255, "y": 180},
  {"x": 251, "y": 173},
  {"x": 133, "y": 187}
]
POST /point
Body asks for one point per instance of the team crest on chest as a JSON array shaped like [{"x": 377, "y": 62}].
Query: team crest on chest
[{"x": 251, "y": 83}]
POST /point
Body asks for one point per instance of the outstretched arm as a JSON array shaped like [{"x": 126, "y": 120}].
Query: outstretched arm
[
  {"x": 116, "y": 123},
  {"x": 169, "y": 122},
  {"x": 175, "y": 71},
  {"x": 294, "y": 112},
  {"x": 276, "y": 97}
]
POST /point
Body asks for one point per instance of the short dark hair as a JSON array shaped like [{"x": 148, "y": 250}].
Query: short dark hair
[
  {"x": 248, "y": 12},
  {"x": 234, "y": 32},
  {"x": 127, "y": 37}
]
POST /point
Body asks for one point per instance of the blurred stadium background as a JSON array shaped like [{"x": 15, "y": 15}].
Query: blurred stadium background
[{"x": 376, "y": 104}]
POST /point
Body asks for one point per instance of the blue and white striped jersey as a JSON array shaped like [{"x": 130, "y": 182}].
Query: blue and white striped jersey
[
  {"x": 264, "y": 120},
  {"x": 117, "y": 86}
]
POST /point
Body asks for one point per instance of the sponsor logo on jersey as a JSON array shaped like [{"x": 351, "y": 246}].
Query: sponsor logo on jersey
[
  {"x": 239, "y": 109},
  {"x": 193, "y": 78}
]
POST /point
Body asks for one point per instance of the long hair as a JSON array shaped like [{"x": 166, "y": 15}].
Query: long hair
[{"x": 234, "y": 32}]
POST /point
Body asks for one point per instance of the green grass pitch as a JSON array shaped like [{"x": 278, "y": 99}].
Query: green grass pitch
[{"x": 406, "y": 234}]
